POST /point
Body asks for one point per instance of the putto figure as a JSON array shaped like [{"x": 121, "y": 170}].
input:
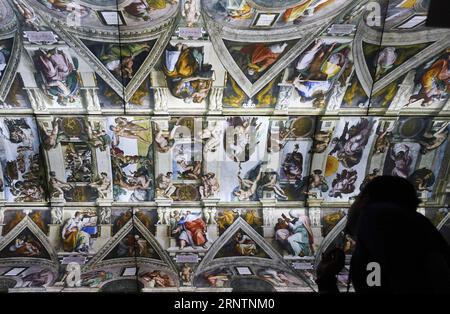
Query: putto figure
[{"x": 186, "y": 273}]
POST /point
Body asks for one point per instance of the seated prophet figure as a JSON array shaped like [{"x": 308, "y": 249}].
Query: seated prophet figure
[
  {"x": 295, "y": 234},
  {"x": 74, "y": 238},
  {"x": 191, "y": 230},
  {"x": 188, "y": 78},
  {"x": 257, "y": 58},
  {"x": 57, "y": 74}
]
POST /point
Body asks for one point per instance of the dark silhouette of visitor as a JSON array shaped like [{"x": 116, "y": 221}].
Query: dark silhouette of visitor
[
  {"x": 387, "y": 229},
  {"x": 331, "y": 264}
]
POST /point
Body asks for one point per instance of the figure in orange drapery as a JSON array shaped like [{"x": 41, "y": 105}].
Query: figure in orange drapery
[
  {"x": 184, "y": 66},
  {"x": 191, "y": 230},
  {"x": 435, "y": 81},
  {"x": 143, "y": 218},
  {"x": 37, "y": 219},
  {"x": 13, "y": 222},
  {"x": 262, "y": 56},
  {"x": 188, "y": 77},
  {"x": 122, "y": 220},
  {"x": 197, "y": 228}
]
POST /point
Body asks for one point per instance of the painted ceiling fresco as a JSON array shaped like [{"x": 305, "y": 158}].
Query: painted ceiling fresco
[{"x": 160, "y": 145}]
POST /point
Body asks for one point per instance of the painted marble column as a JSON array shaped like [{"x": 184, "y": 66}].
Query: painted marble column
[
  {"x": 315, "y": 214},
  {"x": 2, "y": 192},
  {"x": 215, "y": 100},
  {"x": 38, "y": 104},
  {"x": 162, "y": 225},
  {"x": 54, "y": 233},
  {"x": 105, "y": 222},
  {"x": 209, "y": 216},
  {"x": 91, "y": 101},
  {"x": 89, "y": 95},
  {"x": 161, "y": 98},
  {"x": 378, "y": 158},
  {"x": 337, "y": 96},
  {"x": 2, "y": 220},
  {"x": 268, "y": 209},
  {"x": 273, "y": 158},
  {"x": 163, "y": 160}
]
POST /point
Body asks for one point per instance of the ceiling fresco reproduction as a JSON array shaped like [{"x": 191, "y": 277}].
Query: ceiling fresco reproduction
[{"x": 208, "y": 145}]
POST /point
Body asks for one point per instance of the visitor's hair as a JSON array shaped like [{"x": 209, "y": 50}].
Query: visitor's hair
[
  {"x": 396, "y": 191},
  {"x": 392, "y": 189}
]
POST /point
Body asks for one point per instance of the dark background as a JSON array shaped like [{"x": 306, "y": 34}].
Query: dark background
[{"x": 439, "y": 13}]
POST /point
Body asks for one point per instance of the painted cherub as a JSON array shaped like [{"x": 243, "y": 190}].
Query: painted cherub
[{"x": 186, "y": 273}]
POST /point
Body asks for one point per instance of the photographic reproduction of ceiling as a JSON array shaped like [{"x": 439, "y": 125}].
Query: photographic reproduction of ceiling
[{"x": 208, "y": 145}]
